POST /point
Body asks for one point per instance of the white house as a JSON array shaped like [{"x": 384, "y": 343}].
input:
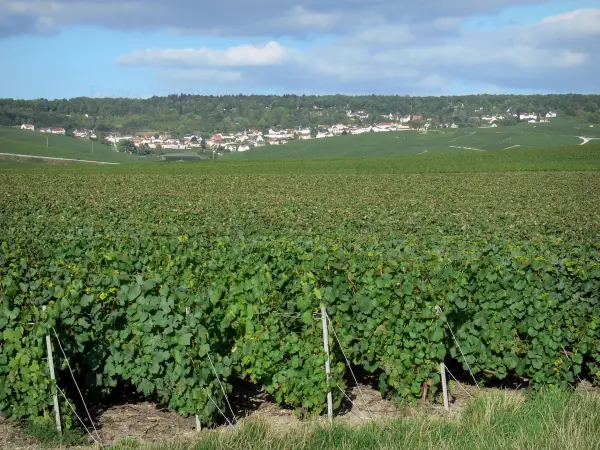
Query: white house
[
  {"x": 81, "y": 133},
  {"x": 550, "y": 115},
  {"x": 28, "y": 127},
  {"x": 58, "y": 130},
  {"x": 243, "y": 148},
  {"x": 528, "y": 116}
]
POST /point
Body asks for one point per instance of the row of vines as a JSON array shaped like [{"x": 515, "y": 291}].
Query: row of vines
[{"x": 157, "y": 313}]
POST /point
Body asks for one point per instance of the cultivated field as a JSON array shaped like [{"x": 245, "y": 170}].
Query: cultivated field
[
  {"x": 556, "y": 133},
  {"x": 16, "y": 141},
  {"x": 179, "y": 280}
]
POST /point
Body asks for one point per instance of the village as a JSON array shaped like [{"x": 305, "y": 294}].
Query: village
[{"x": 254, "y": 138}]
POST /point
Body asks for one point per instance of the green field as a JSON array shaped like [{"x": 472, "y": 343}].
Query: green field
[
  {"x": 180, "y": 280},
  {"x": 33, "y": 143},
  {"x": 557, "y": 133}
]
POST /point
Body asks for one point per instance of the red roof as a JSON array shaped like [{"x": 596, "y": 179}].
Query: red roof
[{"x": 58, "y": 129}]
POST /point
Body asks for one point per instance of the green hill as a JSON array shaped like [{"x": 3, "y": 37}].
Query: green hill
[
  {"x": 16, "y": 141},
  {"x": 556, "y": 133}
]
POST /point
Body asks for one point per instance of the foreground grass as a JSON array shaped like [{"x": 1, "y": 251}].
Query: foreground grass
[{"x": 501, "y": 420}]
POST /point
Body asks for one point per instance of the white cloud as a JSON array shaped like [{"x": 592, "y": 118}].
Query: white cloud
[
  {"x": 268, "y": 54},
  {"x": 409, "y": 57},
  {"x": 300, "y": 17},
  {"x": 370, "y": 46},
  {"x": 237, "y": 17}
]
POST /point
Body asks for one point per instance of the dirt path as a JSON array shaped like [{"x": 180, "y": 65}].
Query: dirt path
[
  {"x": 468, "y": 148},
  {"x": 51, "y": 158},
  {"x": 586, "y": 139}
]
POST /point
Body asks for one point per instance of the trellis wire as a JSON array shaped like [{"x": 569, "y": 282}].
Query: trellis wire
[
  {"x": 463, "y": 355},
  {"x": 571, "y": 361},
  {"x": 361, "y": 416},
  {"x": 76, "y": 415},
  {"x": 458, "y": 382},
  {"x": 349, "y": 368},
  {"x": 217, "y": 406},
  {"x": 76, "y": 385},
  {"x": 222, "y": 387}
]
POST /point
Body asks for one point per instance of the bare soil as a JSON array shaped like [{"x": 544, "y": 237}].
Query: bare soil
[{"x": 147, "y": 422}]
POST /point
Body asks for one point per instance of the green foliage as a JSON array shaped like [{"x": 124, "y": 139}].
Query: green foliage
[
  {"x": 153, "y": 284},
  {"x": 192, "y": 113}
]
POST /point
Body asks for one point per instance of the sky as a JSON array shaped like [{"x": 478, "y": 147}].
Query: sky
[{"x": 140, "y": 48}]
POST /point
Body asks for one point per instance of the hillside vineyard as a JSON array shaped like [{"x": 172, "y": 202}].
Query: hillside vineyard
[{"x": 163, "y": 277}]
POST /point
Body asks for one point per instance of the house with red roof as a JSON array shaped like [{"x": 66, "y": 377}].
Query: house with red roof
[
  {"x": 28, "y": 127},
  {"x": 81, "y": 133}
]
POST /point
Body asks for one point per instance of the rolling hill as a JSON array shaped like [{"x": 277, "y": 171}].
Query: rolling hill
[
  {"x": 21, "y": 142},
  {"x": 557, "y": 133}
]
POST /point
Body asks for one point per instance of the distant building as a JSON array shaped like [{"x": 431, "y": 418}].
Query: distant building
[
  {"x": 58, "y": 130},
  {"x": 28, "y": 127},
  {"x": 528, "y": 116},
  {"x": 550, "y": 115},
  {"x": 81, "y": 133}
]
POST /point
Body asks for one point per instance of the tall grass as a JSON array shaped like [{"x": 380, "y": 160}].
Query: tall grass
[{"x": 500, "y": 420}]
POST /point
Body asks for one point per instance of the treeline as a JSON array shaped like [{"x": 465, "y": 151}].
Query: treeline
[{"x": 180, "y": 114}]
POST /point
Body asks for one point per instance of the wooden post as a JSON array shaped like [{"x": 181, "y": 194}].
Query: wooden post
[
  {"x": 444, "y": 386},
  {"x": 53, "y": 378},
  {"x": 327, "y": 362}
]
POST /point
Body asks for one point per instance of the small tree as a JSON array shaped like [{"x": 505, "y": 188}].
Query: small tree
[{"x": 126, "y": 145}]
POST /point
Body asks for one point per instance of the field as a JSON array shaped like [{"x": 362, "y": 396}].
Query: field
[
  {"x": 33, "y": 143},
  {"x": 557, "y": 133},
  {"x": 180, "y": 280}
]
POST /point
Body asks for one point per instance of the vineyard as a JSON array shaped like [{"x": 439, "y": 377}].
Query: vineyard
[{"x": 162, "y": 279}]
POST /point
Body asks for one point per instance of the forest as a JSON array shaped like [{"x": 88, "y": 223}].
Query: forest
[{"x": 180, "y": 114}]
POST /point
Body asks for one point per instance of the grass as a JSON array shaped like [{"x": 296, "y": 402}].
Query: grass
[
  {"x": 496, "y": 420},
  {"x": 557, "y": 133},
  {"x": 569, "y": 158},
  {"x": 33, "y": 143},
  {"x": 47, "y": 436}
]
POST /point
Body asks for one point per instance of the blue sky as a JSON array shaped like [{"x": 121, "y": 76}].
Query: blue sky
[{"x": 140, "y": 48}]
